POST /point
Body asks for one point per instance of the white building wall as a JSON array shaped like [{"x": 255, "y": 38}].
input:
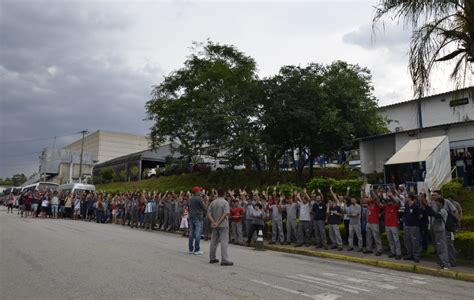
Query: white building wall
[
  {"x": 91, "y": 144},
  {"x": 436, "y": 110},
  {"x": 107, "y": 145},
  {"x": 374, "y": 154},
  {"x": 113, "y": 144},
  {"x": 459, "y": 136}
]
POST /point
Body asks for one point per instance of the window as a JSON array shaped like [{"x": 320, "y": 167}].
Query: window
[{"x": 458, "y": 102}]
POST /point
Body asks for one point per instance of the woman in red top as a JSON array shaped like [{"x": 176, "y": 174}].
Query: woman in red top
[
  {"x": 141, "y": 211},
  {"x": 10, "y": 201},
  {"x": 391, "y": 225}
]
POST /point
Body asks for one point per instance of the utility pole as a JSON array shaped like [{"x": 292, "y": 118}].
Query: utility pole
[{"x": 82, "y": 152}]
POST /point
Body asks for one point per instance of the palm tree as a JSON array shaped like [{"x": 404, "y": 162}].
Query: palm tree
[{"x": 443, "y": 30}]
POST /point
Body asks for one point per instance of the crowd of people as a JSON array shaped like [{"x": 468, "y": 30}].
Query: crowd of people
[{"x": 300, "y": 218}]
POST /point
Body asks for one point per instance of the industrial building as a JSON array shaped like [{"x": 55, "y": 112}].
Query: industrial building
[
  {"x": 64, "y": 165},
  {"x": 107, "y": 145},
  {"x": 147, "y": 159},
  {"x": 448, "y": 114}
]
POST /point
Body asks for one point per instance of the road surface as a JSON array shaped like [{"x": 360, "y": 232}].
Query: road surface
[{"x": 64, "y": 259}]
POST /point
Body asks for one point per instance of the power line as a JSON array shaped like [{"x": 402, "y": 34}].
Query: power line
[
  {"x": 20, "y": 164},
  {"x": 37, "y": 139},
  {"x": 21, "y": 155}
]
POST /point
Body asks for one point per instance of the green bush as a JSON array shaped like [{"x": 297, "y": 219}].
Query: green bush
[
  {"x": 97, "y": 179},
  {"x": 286, "y": 188},
  {"x": 339, "y": 186},
  {"x": 464, "y": 243},
  {"x": 467, "y": 223},
  {"x": 107, "y": 174},
  {"x": 451, "y": 189}
]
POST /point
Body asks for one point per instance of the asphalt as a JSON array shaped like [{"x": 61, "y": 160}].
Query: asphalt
[{"x": 64, "y": 259}]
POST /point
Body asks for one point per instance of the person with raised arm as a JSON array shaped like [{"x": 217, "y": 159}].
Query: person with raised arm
[{"x": 319, "y": 210}]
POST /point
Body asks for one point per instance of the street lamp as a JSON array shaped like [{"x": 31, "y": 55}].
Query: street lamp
[{"x": 84, "y": 132}]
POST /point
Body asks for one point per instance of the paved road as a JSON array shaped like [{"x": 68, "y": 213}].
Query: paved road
[{"x": 57, "y": 259}]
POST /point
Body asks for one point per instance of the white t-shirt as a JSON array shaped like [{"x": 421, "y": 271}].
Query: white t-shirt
[
  {"x": 45, "y": 203},
  {"x": 305, "y": 210},
  {"x": 55, "y": 200}
]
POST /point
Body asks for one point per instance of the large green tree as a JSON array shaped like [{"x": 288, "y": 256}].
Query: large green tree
[
  {"x": 442, "y": 31},
  {"x": 210, "y": 105},
  {"x": 318, "y": 110}
]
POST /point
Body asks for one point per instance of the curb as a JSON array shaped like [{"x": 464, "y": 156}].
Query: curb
[{"x": 379, "y": 263}]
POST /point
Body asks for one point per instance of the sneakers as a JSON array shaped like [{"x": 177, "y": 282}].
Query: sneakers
[
  {"x": 378, "y": 253},
  {"x": 213, "y": 261},
  {"x": 198, "y": 253},
  {"x": 191, "y": 252},
  {"x": 350, "y": 249},
  {"x": 227, "y": 263},
  {"x": 443, "y": 267},
  {"x": 367, "y": 251}
]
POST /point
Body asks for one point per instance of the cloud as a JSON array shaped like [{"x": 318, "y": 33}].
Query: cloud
[
  {"x": 388, "y": 36},
  {"x": 59, "y": 74}
]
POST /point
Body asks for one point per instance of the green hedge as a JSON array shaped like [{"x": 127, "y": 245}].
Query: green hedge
[
  {"x": 451, "y": 189},
  {"x": 339, "y": 186},
  {"x": 464, "y": 243},
  {"x": 467, "y": 223}
]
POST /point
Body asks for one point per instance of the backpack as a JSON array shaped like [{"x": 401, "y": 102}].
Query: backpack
[{"x": 452, "y": 223}]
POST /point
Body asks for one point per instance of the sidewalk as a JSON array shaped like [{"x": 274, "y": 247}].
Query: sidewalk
[{"x": 423, "y": 267}]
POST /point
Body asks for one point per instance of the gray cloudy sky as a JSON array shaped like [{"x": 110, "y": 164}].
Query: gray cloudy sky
[{"x": 70, "y": 65}]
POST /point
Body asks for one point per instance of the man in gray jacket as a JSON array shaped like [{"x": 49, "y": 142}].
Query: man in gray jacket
[{"x": 218, "y": 214}]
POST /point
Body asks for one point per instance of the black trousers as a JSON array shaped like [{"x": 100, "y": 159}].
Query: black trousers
[{"x": 254, "y": 228}]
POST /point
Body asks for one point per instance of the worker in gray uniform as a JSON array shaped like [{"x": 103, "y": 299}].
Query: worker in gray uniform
[
  {"x": 439, "y": 230},
  {"x": 274, "y": 207},
  {"x": 291, "y": 209},
  {"x": 451, "y": 209}
]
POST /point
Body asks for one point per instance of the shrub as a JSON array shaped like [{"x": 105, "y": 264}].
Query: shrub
[
  {"x": 464, "y": 243},
  {"x": 467, "y": 223},
  {"x": 97, "y": 179},
  {"x": 107, "y": 174},
  {"x": 451, "y": 189},
  {"x": 286, "y": 188},
  {"x": 135, "y": 170}
]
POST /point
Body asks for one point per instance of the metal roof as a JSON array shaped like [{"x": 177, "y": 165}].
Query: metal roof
[
  {"x": 372, "y": 137},
  {"x": 427, "y": 97}
]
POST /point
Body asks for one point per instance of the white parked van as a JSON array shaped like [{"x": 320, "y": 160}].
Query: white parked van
[
  {"x": 40, "y": 187},
  {"x": 77, "y": 187}
]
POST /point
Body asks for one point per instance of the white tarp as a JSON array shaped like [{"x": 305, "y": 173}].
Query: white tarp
[
  {"x": 438, "y": 166},
  {"x": 434, "y": 151}
]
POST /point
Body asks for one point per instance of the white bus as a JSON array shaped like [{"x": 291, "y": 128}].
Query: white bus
[
  {"x": 40, "y": 187},
  {"x": 76, "y": 187}
]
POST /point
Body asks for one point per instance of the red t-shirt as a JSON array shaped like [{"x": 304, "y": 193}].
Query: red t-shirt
[
  {"x": 373, "y": 212},
  {"x": 236, "y": 214},
  {"x": 391, "y": 215}
]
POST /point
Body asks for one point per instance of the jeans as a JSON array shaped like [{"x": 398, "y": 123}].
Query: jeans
[
  {"x": 54, "y": 209},
  {"x": 195, "y": 230},
  {"x": 220, "y": 234}
]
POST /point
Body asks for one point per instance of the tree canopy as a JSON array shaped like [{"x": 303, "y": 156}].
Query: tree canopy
[
  {"x": 217, "y": 105},
  {"x": 442, "y": 31}
]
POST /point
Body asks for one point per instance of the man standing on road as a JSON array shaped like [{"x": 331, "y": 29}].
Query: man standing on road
[
  {"x": 197, "y": 209},
  {"x": 218, "y": 214}
]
